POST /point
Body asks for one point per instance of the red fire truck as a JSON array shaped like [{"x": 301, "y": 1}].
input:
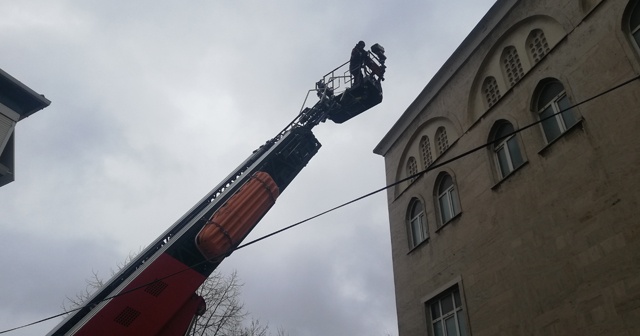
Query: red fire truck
[{"x": 155, "y": 294}]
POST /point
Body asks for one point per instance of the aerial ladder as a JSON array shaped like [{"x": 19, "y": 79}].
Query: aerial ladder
[{"x": 155, "y": 293}]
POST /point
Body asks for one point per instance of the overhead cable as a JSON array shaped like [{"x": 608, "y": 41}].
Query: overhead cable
[{"x": 430, "y": 168}]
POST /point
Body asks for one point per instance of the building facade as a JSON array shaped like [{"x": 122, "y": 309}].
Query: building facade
[
  {"x": 526, "y": 219},
  {"x": 17, "y": 101}
]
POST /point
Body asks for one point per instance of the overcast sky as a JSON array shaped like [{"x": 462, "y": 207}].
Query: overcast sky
[{"x": 155, "y": 102}]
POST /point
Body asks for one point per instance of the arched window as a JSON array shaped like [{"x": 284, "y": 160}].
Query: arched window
[
  {"x": 537, "y": 44},
  {"x": 634, "y": 24},
  {"x": 512, "y": 65},
  {"x": 416, "y": 224},
  {"x": 425, "y": 150},
  {"x": 551, "y": 100},
  {"x": 412, "y": 167},
  {"x": 490, "y": 90},
  {"x": 448, "y": 202},
  {"x": 441, "y": 140},
  {"x": 506, "y": 150}
]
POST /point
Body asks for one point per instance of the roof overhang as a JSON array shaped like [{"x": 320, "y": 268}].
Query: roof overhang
[{"x": 20, "y": 98}]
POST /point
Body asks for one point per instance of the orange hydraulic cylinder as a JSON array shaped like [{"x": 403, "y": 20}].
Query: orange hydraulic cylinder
[{"x": 234, "y": 220}]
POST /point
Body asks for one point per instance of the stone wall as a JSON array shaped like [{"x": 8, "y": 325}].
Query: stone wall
[{"x": 553, "y": 248}]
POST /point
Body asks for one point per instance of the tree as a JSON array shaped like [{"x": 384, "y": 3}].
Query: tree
[{"x": 224, "y": 312}]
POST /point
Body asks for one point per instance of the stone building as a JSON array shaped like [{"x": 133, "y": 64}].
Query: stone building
[
  {"x": 17, "y": 102},
  {"x": 535, "y": 233}
]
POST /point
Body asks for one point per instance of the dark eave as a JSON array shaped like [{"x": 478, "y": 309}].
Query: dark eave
[{"x": 19, "y": 97}]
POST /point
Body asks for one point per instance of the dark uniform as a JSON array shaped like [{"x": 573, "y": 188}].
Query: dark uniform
[{"x": 356, "y": 62}]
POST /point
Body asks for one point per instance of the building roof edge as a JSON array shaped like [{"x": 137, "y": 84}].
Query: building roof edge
[
  {"x": 20, "y": 97},
  {"x": 448, "y": 69}
]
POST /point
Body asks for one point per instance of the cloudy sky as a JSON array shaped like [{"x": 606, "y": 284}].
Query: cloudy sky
[{"x": 154, "y": 102}]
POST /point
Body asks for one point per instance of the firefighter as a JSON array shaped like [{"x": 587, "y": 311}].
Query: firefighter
[{"x": 356, "y": 62}]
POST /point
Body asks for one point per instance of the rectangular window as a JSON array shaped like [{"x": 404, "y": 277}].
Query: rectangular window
[
  {"x": 568, "y": 117},
  {"x": 446, "y": 314},
  {"x": 455, "y": 202},
  {"x": 418, "y": 229},
  {"x": 445, "y": 208},
  {"x": 503, "y": 161},
  {"x": 514, "y": 152},
  {"x": 551, "y": 128}
]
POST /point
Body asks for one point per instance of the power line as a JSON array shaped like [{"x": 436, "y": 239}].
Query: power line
[
  {"x": 430, "y": 168},
  {"x": 435, "y": 166}
]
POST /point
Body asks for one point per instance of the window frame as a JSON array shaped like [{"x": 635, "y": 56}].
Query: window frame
[
  {"x": 421, "y": 226},
  {"x": 425, "y": 151},
  {"x": 450, "y": 195},
  {"x": 532, "y": 50},
  {"x": 509, "y": 151},
  {"x": 491, "y": 91},
  {"x": 559, "y": 123},
  {"x": 441, "y": 133},
  {"x": 412, "y": 168},
  {"x": 459, "y": 312},
  {"x": 512, "y": 65}
]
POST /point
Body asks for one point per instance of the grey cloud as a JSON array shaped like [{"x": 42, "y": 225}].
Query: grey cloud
[{"x": 152, "y": 104}]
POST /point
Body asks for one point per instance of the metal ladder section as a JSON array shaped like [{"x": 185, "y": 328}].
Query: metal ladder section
[{"x": 285, "y": 155}]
